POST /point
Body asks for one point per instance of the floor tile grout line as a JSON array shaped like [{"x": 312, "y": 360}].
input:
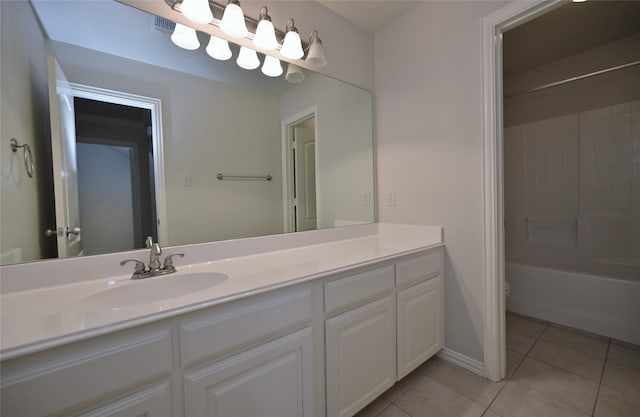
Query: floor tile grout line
[
  {"x": 546, "y": 395},
  {"x": 567, "y": 370},
  {"x": 517, "y": 367},
  {"x": 542, "y": 393},
  {"x": 604, "y": 365}
]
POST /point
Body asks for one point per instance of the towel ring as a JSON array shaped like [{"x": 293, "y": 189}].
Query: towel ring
[{"x": 27, "y": 155}]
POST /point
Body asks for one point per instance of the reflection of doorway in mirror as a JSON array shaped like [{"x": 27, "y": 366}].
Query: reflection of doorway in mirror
[
  {"x": 115, "y": 176},
  {"x": 118, "y": 152},
  {"x": 300, "y": 167}
]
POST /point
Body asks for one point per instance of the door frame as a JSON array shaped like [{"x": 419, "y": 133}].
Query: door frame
[
  {"x": 493, "y": 26},
  {"x": 286, "y": 134},
  {"x": 155, "y": 106}
]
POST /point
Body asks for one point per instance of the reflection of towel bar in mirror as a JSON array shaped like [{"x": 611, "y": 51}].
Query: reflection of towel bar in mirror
[
  {"x": 27, "y": 155},
  {"x": 245, "y": 177}
]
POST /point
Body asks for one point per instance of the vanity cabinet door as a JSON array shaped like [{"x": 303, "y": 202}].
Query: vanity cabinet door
[
  {"x": 419, "y": 324},
  {"x": 273, "y": 379},
  {"x": 151, "y": 402},
  {"x": 360, "y": 356}
]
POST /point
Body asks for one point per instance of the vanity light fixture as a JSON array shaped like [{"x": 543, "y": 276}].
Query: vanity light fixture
[
  {"x": 232, "y": 22},
  {"x": 197, "y": 11},
  {"x": 185, "y": 37},
  {"x": 272, "y": 67},
  {"x": 316, "y": 56},
  {"x": 218, "y": 49},
  {"x": 294, "y": 74},
  {"x": 265, "y": 37},
  {"x": 292, "y": 45},
  {"x": 247, "y": 59}
]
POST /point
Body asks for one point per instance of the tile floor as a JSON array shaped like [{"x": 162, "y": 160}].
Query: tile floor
[{"x": 552, "y": 371}]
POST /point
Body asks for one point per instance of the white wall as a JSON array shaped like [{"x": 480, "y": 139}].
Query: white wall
[
  {"x": 209, "y": 127},
  {"x": 24, "y": 115},
  {"x": 429, "y": 131},
  {"x": 344, "y": 153}
]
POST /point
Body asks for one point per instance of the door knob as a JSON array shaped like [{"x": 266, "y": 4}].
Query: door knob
[
  {"x": 54, "y": 233},
  {"x": 75, "y": 231}
]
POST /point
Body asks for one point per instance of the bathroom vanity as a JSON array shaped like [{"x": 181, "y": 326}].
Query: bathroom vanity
[{"x": 320, "y": 327}]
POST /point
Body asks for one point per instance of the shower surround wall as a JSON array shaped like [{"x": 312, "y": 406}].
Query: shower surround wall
[
  {"x": 572, "y": 192},
  {"x": 572, "y": 219}
]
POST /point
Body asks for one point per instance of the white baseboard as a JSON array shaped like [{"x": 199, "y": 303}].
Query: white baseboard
[{"x": 462, "y": 361}]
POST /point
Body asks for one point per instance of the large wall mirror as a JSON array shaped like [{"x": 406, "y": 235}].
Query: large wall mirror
[{"x": 132, "y": 137}]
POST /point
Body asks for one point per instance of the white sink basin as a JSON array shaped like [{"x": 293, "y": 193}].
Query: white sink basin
[{"x": 150, "y": 290}]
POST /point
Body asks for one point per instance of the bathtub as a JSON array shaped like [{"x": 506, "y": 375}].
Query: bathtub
[{"x": 601, "y": 305}]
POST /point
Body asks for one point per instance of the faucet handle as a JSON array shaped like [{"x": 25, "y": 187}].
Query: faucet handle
[
  {"x": 148, "y": 242},
  {"x": 139, "y": 266},
  {"x": 168, "y": 261}
]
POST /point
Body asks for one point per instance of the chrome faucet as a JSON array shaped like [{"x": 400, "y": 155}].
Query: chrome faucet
[
  {"x": 155, "y": 267},
  {"x": 154, "y": 257}
]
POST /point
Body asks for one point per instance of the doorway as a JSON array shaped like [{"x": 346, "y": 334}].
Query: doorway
[
  {"x": 493, "y": 26},
  {"x": 115, "y": 176},
  {"x": 299, "y": 172},
  {"x": 135, "y": 140}
]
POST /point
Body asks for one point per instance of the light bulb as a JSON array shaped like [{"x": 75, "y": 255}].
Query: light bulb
[
  {"x": 316, "y": 56},
  {"x": 292, "y": 46},
  {"x": 295, "y": 74},
  {"x": 185, "y": 37},
  {"x": 271, "y": 67},
  {"x": 265, "y": 37},
  {"x": 218, "y": 49},
  {"x": 232, "y": 22},
  {"x": 197, "y": 11},
  {"x": 247, "y": 59}
]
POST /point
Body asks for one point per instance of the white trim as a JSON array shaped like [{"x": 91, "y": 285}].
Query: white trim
[
  {"x": 493, "y": 25},
  {"x": 285, "y": 124},
  {"x": 155, "y": 106},
  {"x": 462, "y": 361}
]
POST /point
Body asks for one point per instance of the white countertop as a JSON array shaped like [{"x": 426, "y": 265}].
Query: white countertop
[{"x": 41, "y": 318}]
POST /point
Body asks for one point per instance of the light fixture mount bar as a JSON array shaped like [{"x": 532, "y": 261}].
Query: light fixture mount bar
[{"x": 218, "y": 10}]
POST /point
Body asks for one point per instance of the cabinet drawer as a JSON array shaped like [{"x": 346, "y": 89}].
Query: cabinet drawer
[
  {"x": 356, "y": 289},
  {"x": 77, "y": 375},
  {"x": 418, "y": 269},
  {"x": 243, "y": 324}
]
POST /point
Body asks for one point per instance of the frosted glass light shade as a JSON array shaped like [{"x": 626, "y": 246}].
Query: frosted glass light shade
[
  {"x": 272, "y": 67},
  {"x": 265, "y": 38},
  {"x": 232, "y": 22},
  {"x": 197, "y": 11},
  {"x": 294, "y": 74},
  {"x": 292, "y": 46},
  {"x": 247, "y": 59},
  {"x": 316, "y": 56},
  {"x": 218, "y": 49},
  {"x": 185, "y": 37}
]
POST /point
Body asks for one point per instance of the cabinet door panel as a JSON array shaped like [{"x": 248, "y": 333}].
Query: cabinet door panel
[
  {"x": 271, "y": 380},
  {"x": 61, "y": 379},
  {"x": 419, "y": 324},
  {"x": 361, "y": 356},
  {"x": 151, "y": 402}
]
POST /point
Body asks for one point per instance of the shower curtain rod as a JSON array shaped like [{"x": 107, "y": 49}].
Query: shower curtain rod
[{"x": 572, "y": 79}]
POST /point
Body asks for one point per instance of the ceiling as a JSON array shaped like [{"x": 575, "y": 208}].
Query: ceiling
[
  {"x": 568, "y": 30},
  {"x": 370, "y": 15}
]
